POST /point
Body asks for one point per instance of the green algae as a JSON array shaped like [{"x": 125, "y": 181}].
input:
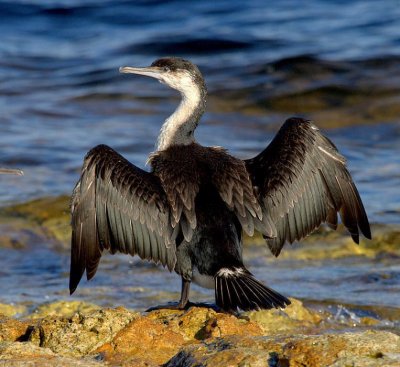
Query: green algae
[
  {"x": 47, "y": 217},
  {"x": 50, "y": 217},
  {"x": 328, "y": 244}
]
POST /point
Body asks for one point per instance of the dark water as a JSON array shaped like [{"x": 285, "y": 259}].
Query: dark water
[{"x": 337, "y": 62}]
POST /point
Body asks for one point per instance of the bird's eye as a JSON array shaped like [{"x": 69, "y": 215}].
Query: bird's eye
[{"x": 166, "y": 68}]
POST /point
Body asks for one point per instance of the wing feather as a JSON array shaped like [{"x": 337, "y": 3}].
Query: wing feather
[
  {"x": 303, "y": 181},
  {"x": 120, "y": 208}
]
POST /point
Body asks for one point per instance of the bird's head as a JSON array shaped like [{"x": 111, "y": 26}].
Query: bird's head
[{"x": 175, "y": 72}]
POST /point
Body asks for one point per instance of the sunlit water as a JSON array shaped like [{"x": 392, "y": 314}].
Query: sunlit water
[{"x": 61, "y": 94}]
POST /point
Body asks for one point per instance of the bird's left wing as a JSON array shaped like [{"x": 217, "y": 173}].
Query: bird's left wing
[
  {"x": 118, "y": 207},
  {"x": 302, "y": 181}
]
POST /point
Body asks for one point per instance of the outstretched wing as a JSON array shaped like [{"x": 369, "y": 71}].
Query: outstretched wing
[
  {"x": 302, "y": 181},
  {"x": 120, "y": 208}
]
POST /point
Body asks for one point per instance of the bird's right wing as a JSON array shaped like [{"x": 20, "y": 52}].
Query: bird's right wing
[
  {"x": 118, "y": 207},
  {"x": 302, "y": 181}
]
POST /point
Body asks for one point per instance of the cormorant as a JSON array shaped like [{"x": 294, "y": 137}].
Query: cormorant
[{"x": 189, "y": 212}]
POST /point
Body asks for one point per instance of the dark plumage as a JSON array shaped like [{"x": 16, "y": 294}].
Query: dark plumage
[{"x": 189, "y": 212}]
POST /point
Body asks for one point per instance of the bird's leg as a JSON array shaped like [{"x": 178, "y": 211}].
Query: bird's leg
[{"x": 183, "y": 303}]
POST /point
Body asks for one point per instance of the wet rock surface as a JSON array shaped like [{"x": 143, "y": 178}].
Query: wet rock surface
[
  {"x": 296, "y": 336},
  {"x": 48, "y": 219},
  {"x": 35, "y": 221}
]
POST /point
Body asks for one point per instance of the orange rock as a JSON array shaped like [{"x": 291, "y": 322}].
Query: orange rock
[
  {"x": 158, "y": 336},
  {"x": 367, "y": 348},
  {"x": 11, "y": 329}
]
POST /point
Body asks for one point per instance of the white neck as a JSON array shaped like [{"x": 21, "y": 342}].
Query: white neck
[{"x": 179, "y": 127}]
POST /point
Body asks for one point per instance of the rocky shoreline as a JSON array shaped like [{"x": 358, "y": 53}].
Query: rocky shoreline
[
  {"x": 75, "y": 333},
  {"x": 296, "y": 336}
]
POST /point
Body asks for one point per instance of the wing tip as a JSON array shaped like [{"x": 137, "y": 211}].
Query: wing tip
[
  {"x": 75, "y": 277},
  {"x": 275, "y": 244},
  {"x": 366, "y": 230},
  {"x": 72, "y": 286},
  {"x": 355, "y": 237}
]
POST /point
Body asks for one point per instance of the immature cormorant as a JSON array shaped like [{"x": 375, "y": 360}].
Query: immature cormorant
[{"x": 189, "y": 212}]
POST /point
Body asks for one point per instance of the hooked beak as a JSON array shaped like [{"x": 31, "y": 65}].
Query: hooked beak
[
  {"x": 152, "y": 71},
  {"x": 11, "y": 171}
]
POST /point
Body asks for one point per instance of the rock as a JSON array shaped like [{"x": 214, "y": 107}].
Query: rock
[
  {"x": 367, "y": 348},
  {"x": 63, "y": 309},
  {"x": 50, "y": 214},
  {"x": 27, "y": 354},
  {"x": 18, "y": 233},
  {"x": 294, "y": 317},
  {"x": 82, "y": 333},
  {"x": 385, "y": 242},
  {"x": 12, "y": 310},
  {"x": 11, "y": 329},
  {"x": 199, "y": 336},
  {"x": 158, "y": 336},
  {"x": 43, "y": 209}
]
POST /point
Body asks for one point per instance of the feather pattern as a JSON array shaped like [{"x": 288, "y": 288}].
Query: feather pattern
[
  {"x": 303, "y": 181},
  {"x": 120, "y": 208},
  {"x": 182, "y": 169},
  {"x": 237, "y": 288},
  {"x": 179, "y": 178}
]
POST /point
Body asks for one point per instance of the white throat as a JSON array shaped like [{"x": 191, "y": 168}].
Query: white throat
[{"x": 180, "y": 126}]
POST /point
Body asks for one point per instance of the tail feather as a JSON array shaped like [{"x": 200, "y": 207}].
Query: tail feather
[{"x": 236, "y": 288}]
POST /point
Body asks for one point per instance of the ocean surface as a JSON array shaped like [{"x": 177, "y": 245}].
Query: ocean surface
[{"x": 336, "y": 62}]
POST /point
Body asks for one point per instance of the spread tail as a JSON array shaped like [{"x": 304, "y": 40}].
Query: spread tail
[{"x": 237, "y": 288}]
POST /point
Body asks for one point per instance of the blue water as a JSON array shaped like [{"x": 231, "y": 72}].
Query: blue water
[{"x": 61, "y": 94}]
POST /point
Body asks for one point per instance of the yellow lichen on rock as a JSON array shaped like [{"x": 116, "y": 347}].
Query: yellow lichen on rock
[
  {"x": 280, "y": 321},
  {"x": 11, "y": 310},
  {"x": 63, "y": 309},
  {"x": 82, "y": 333},
  {"x": 11, "y": 329},
  {"x": 296, "y": 336}
]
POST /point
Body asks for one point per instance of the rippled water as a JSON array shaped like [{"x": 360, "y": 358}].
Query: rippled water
[
  {"x": 60, "y": 91},
  {"x": 337, "y": 62}
]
